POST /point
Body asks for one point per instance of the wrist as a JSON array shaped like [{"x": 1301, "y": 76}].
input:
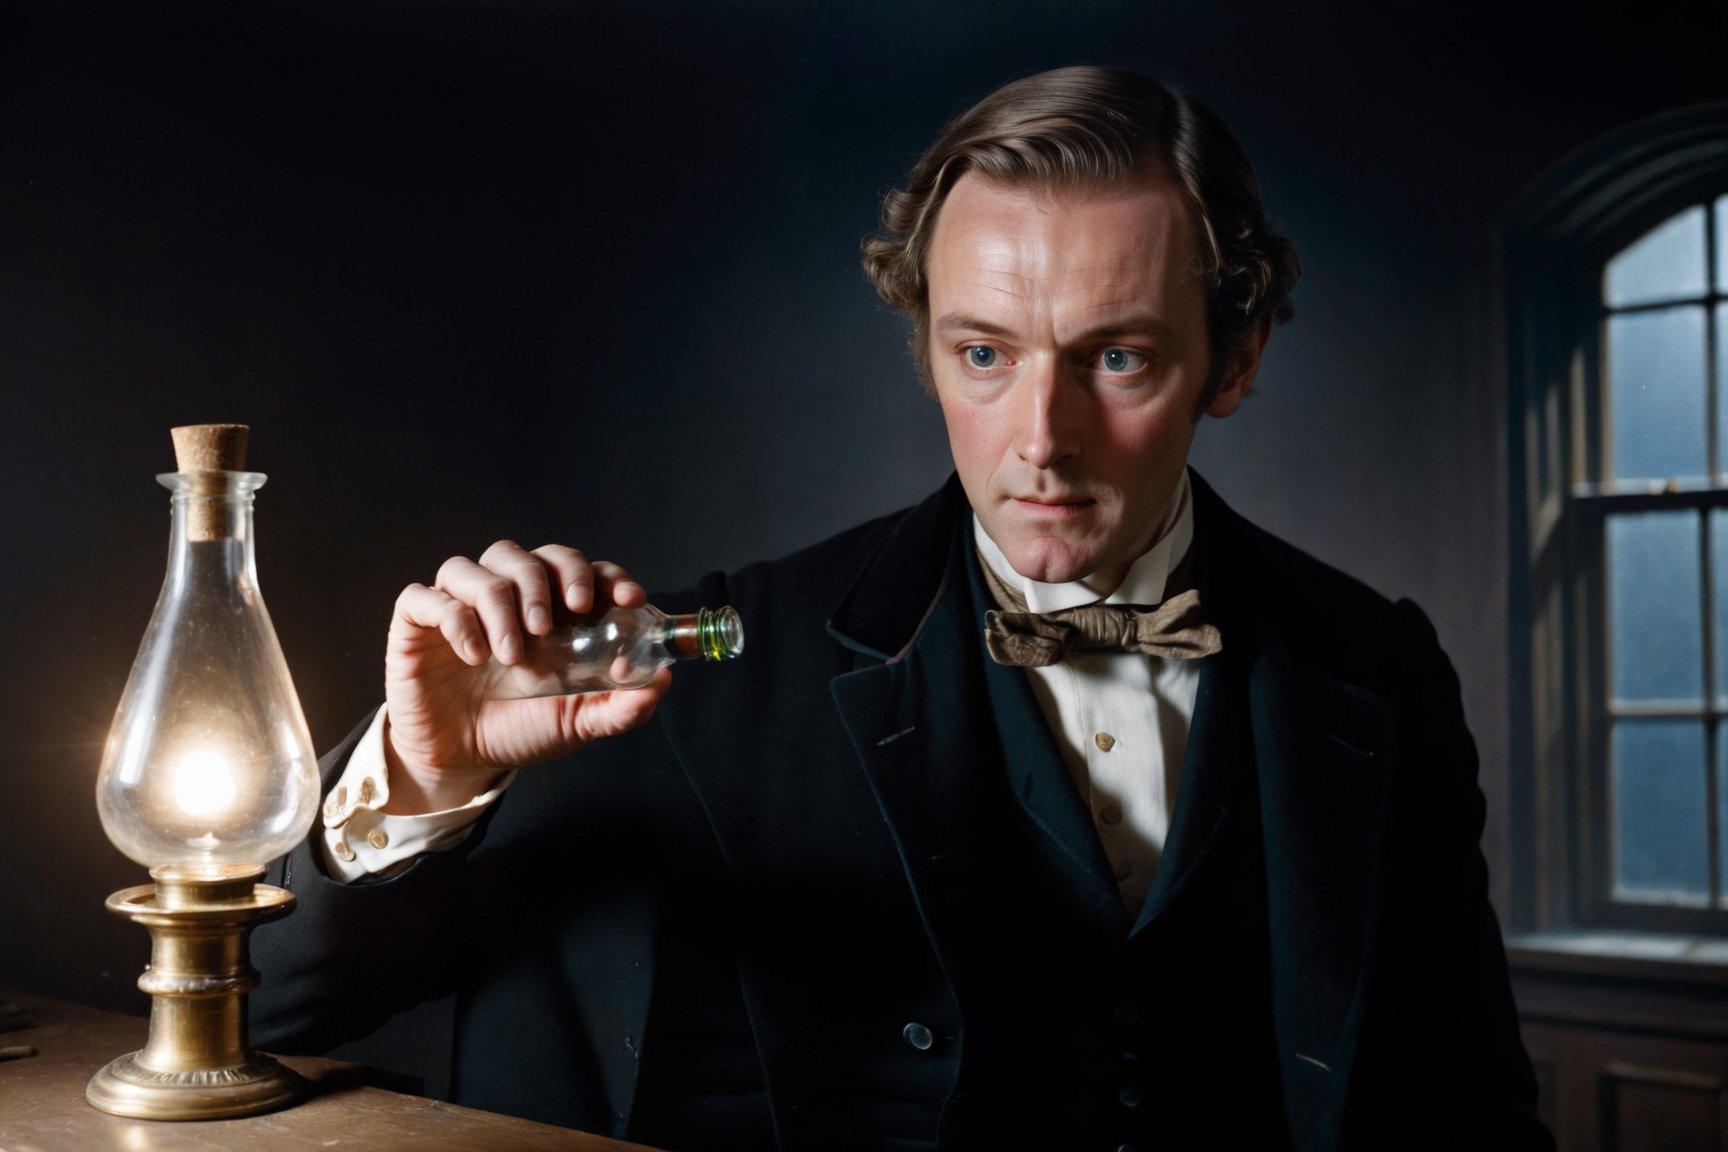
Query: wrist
[{"x": 413, "y": 791}]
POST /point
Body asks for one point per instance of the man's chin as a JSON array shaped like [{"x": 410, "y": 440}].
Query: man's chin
[{"x": 1048, "y": 568}]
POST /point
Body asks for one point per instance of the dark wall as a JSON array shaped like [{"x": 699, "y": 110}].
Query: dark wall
[{"x": 588, "y": 272}]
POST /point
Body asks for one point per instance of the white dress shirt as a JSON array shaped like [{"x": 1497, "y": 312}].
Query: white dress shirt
[{"x": 1121, "y": 719}]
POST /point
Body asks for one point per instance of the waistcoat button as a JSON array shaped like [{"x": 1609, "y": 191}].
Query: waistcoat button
[{"x": 918, "y": 1036}]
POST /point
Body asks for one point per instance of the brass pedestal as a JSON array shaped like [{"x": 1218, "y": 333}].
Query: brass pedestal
[{"x": 196, "y": 1064}]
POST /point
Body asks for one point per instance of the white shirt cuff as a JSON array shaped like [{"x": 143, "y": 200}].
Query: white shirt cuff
[{"x": 360, "y": 840}]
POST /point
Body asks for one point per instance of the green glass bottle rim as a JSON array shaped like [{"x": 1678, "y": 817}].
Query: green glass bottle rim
[{"x": 719, "y": 633}]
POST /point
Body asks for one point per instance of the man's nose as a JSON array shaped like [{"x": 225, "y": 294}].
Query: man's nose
[{"x": 1049, "y": 418}]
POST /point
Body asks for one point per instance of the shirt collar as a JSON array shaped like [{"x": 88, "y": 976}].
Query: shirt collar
[{"x": 1144, "y": 583}]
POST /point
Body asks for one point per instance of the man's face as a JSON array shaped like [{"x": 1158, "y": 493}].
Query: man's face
[{"x": 1069, "y": 352}]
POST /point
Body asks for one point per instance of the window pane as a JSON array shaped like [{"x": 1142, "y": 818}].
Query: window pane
[
  {"x": 1719, "y": 600},
  {"x": 1722, "y": 244},
  {"x": 1659, "y": 822},
  {"x": 1656, "y": 393},
  {"x": 1666, "y": 263},
  {"x": 1721, "y": 389},
  {"x": 1721, "y": 814},
  {"x": 1657, "y": 650}
]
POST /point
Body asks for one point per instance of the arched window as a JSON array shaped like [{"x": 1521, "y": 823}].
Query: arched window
[{"x": 1616, "y": 268}]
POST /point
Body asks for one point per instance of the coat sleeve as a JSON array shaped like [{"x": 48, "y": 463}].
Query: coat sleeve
[
  {"x": 1441, "y": 1063},
  {"x": 350, "y": 956},
  {"x": 545, "y": 923}
]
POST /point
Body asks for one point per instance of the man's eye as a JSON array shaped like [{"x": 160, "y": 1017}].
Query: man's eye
[
  {"x": 1122, "y": 360},
  {"x": 981, "y": 356}
]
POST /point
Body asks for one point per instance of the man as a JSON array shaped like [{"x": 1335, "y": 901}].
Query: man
[{"x": 922, "y": 869}]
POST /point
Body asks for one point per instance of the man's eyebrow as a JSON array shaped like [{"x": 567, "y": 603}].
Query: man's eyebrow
[
  {"x": 950, "y": 321},
  {"x": 1142, "y": 324}
]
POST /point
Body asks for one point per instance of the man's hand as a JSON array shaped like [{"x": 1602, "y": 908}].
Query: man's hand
[{"x": 445, "y": 742}]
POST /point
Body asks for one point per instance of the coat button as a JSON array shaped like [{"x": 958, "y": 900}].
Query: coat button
[
  {"x": 918, "y": 1036},
  {"x": 1127, "y": 1148},
  {"x": 1130, "y": 1095},
  {"x": 1128, "y": 1012}
]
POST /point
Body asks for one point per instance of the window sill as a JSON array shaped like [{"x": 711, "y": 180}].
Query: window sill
[{"x": 1627, "y": 955}]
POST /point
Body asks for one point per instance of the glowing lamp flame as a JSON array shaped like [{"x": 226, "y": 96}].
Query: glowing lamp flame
[{"x": 203, "y": 784}]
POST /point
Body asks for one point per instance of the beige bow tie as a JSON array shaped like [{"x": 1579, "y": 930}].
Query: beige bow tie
[{"x": 1176, "y": 629}]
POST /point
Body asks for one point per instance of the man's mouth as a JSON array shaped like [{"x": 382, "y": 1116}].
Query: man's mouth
[{"x": 1052, "y": 505}]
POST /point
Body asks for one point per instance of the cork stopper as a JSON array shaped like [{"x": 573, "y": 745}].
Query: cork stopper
[{"x": 209, "y": 448}]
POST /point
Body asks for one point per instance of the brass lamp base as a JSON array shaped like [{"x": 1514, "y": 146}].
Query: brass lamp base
[{"x": 196, "y": 1064}]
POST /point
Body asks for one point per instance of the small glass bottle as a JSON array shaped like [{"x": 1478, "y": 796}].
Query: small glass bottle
[{"x": 623, "y": 649}]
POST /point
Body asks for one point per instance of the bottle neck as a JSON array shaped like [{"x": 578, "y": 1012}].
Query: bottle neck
[
  {"x": 706, "y": 634},
  {"x": 212, "y": 525}
]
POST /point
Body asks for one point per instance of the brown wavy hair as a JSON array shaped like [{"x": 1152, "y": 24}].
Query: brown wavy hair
[{"x": 1087, "y": 128}]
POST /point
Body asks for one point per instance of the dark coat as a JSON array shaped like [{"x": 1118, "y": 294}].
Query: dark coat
[{"x": 841, "y": 892}]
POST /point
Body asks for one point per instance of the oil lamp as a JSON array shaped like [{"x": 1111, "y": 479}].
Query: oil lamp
[{"x": 208, "y": 775}]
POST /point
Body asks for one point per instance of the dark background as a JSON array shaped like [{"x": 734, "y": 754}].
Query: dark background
[{"x": 588, "y": 272}]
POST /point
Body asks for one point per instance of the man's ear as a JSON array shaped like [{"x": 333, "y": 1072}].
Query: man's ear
[{"x": 1240, "y": 365}]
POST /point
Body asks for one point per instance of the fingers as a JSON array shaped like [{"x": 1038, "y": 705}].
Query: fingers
[
  {"x": 482, "y": 607},
  {"x": 532, "y": 589},
  {"x": 586, "y": 586},
  {"x": 493, "y": 597},
  {"x": 615, "y": 584},
  {"x": 431, "y": 608}
]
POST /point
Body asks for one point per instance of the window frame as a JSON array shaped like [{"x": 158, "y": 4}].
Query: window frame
[{"x": 1554, "y": 245}]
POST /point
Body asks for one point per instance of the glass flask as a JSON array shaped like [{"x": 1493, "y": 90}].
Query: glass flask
[
  {"x": 623, "y": 649},
  {"x": 209, "y": 769}
]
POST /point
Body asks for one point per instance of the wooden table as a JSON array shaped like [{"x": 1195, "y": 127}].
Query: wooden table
[{"x": 42, "y": 1105}]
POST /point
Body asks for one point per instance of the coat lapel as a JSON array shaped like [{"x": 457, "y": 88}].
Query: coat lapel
[
  {"x": 918, "y": 712},
  {"x": 1324, "y": 747},
  {"x": 1320, "y": 747}
]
